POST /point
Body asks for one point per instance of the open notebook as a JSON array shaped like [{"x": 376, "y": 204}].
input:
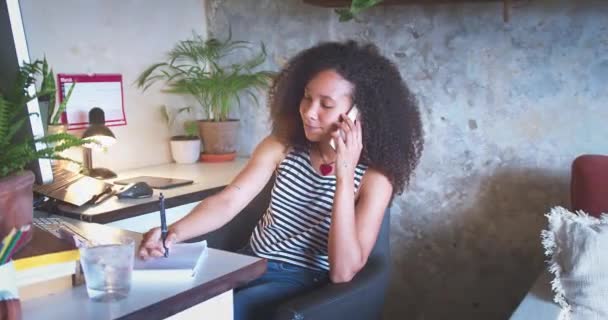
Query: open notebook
[{"x": 184, "y": 260}]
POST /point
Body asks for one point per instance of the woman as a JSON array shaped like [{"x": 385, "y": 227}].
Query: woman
[{"x": 327, "y": 204}]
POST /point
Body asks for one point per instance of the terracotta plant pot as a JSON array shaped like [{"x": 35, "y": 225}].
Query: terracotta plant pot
[
  {"x": 54, "y": 129},
  {"x": 185, "y": 149},
  {"x": 219, "y": 137},
  {"x": 218, "y": 157},
  {"x": 16, "y": 198}
]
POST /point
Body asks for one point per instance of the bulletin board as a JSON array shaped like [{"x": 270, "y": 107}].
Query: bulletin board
[{"x": 92, "y": 90}]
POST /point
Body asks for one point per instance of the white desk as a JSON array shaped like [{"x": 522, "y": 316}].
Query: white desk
[
  {"x": 208, "y": 296},
  {"x": 154, "y": 298},
  {"x": 208, "y": 178}
]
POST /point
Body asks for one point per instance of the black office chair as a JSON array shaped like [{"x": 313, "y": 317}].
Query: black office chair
[{"x": 361, "y": 298}]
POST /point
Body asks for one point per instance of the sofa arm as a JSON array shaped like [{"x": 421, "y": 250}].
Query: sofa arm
[
  {"x": 589, "y": 178},
  {"x": 361, "y": 298}
]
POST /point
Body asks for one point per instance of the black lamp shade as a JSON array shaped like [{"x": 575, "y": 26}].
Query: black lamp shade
[
  {"x": 97, "y": 116},
  {"x": 97, "y": 129}
]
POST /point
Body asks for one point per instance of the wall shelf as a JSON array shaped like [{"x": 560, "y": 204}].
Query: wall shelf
[
  {"x": 346, "y": 3},
  {"x": 507, "y": 4}
]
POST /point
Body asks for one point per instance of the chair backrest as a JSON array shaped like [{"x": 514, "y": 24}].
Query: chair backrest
[
  {"x": 382, "y": 248},
  {"x": 236, "y": 233},
  {"x": 589, "y": 184}
]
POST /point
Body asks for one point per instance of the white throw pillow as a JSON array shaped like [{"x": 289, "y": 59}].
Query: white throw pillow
[{"x": 577, "y": 248}]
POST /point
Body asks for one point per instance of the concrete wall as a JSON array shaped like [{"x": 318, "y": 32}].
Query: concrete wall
[
  {"x": 117, "y": 36},
  {"x": 506, "y": 108}
]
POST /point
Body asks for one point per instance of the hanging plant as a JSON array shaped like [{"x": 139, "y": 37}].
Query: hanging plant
[{"x": 356, "y": 6}]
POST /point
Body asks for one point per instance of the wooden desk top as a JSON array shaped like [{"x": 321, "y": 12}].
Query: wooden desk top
[
  {"x": 209, "y": 178},
  {"x": 150, "y": 297},
  {"x": 42, "y": 243}
]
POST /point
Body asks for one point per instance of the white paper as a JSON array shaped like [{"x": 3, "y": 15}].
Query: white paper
[{"x": 182, "y": 256}]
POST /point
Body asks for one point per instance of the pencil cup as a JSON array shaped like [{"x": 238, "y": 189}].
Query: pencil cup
[
  {"x": 10, "y": 307},
  {"x": 107, "y": 270},
  {"x": 8, "y": 282}
]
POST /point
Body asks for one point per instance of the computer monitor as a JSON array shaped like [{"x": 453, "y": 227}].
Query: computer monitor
[{"x": 13, "y": 53}]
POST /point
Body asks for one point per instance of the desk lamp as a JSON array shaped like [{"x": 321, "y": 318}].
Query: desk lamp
[{"x": 97, "y": 131}]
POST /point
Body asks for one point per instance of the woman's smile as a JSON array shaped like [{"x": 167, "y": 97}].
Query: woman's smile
[{"x": 312, "y": 128}]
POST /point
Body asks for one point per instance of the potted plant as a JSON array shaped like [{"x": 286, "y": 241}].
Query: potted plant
[
  {"x": 16, "y": 183},
  {"x": 198, "y": 67},
  {"x": 51, "y": 111},
  {"x": 185, "y": 148}
]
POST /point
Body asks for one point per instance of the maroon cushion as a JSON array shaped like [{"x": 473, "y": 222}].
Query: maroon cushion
[{"x": 589, "y": 184}]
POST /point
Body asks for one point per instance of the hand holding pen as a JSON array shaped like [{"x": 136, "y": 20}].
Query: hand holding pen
[{"x": 156, "y": 243}]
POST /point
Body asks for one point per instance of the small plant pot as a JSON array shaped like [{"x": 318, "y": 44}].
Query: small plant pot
[
  {"x": 54, "y": 129},
  {"x": 10, "y": 307},
  {"x": 185, "y": 149},
  {"x": 43, "y": 105}
]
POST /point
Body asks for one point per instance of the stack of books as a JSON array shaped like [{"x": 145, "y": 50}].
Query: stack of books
[{"x": 46, "y": 266}]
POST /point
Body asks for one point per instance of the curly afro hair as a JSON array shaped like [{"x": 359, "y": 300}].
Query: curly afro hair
[{"x": 392, "y": 130}]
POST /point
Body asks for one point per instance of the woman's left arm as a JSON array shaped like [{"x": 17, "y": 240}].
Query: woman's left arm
[{"x": 354, "y": 227}]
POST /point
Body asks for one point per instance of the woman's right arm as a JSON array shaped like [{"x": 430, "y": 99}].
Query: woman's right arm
[{"x": 217, "y": 210}]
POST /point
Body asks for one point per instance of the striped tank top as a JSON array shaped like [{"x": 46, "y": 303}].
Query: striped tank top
[{"x": 295, "y": 227}]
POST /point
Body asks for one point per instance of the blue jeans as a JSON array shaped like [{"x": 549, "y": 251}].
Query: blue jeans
[{"x": 282, "y": 281}]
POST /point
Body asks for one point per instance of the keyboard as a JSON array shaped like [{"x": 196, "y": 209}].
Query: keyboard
[
  {"x": 58, "y": 227},
  {"x": 50, "y": 225}
]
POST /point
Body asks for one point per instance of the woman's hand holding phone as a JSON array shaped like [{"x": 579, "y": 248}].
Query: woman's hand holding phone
[
  {"x": 352, "y": 115},
  {"x": 348, "y": 141}
]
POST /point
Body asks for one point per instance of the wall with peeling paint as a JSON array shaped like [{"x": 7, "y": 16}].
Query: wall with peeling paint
[{"x": 506, "y": 108}]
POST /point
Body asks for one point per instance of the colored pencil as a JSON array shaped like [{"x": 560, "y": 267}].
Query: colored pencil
[
  {"x": 25, "y": 230},
  {"x": 9, "y": 251},
  {"x": 6, "y": 242}
]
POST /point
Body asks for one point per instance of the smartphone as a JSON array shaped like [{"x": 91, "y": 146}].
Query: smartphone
[{"x": 352, "y": 115}]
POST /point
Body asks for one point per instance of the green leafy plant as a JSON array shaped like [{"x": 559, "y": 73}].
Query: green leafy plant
[
  {"x": 190, "y": 127},
  {"x": 48, "y": 90},
  {"x": 197, "y": 67},
  {"x": 14, "y": 154},
  {"x": 356, "y": 6}
]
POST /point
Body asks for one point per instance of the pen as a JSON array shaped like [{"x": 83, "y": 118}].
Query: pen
[{"x": 163, "y": 224}]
